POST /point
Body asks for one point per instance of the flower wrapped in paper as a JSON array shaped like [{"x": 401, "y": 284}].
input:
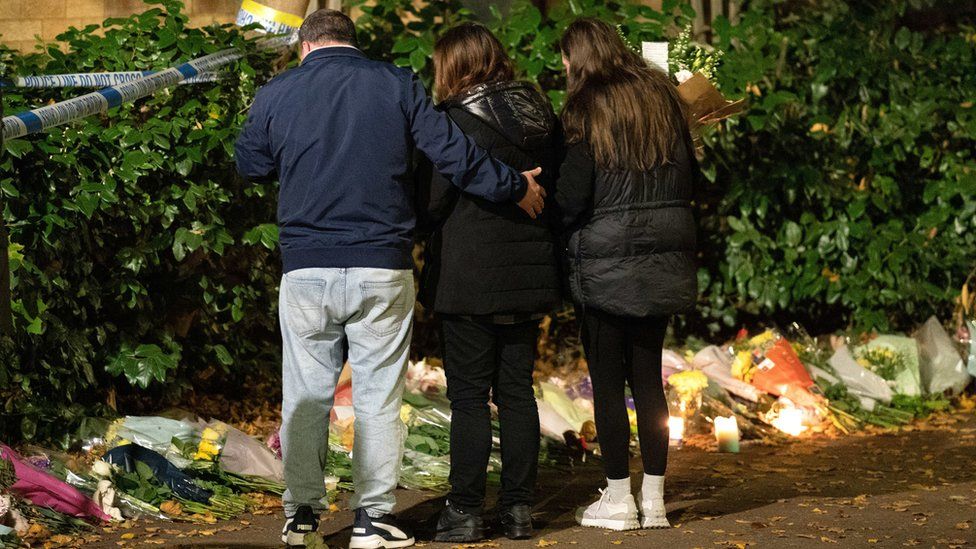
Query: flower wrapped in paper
[
  {"x": 894, "y": 358},
  {"x": 769, "y": 362},
  {"x": 706, "y": 105},
  {"x": 693, "y": 66}
]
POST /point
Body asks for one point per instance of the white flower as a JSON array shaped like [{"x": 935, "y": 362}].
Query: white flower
[
  {"x": 683, "y": 75},
  {"x": 101, "y": 469}
]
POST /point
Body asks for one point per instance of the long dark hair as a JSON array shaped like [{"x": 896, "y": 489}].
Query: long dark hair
[
  {"x": 629, "y": 113},
  {"x": 466, "y": 56}
]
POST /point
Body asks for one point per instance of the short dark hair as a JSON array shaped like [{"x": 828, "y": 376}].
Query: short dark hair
[{"x": 327, "y": 25}]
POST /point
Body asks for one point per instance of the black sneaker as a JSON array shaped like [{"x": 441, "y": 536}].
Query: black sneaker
[
  {"x": 302, "y": 522},
  {"x": 384, "y": 532},
  {"x": 516, "y": 521},
  {"x": 457, "y": 526}
]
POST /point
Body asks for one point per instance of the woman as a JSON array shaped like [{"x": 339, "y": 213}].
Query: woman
[
  {"x": 625, "y": 199},
  {"x": 490, "y": 274}
]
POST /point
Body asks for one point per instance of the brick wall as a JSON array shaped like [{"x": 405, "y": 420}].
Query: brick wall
[{"x": 22, "y": 20}]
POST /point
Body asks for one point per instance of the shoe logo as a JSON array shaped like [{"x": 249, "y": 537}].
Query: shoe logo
[
  {"x": 391, "y": 529},
  {"x": 306, "y": 527}
]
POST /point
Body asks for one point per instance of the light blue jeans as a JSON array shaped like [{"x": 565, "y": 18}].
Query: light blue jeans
[{"x": 322, "y": 311}]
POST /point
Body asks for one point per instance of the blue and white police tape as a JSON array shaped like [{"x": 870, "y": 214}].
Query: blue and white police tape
[
  {"x": 90, "y": 80},
  {"x": 37, "y": 120}
]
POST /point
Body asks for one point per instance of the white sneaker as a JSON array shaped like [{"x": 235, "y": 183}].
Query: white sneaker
[
  {"x": 605, "y": 514},
  {"x": 653, "y": 514}
]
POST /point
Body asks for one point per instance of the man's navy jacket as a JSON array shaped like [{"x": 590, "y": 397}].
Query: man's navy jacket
[{"x": 339, "y": 132}]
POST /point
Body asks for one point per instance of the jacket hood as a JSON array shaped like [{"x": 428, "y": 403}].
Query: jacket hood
[{"x": 517, "y": 110}]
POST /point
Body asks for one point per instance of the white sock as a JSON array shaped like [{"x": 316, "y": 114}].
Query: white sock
[
  {"x": 652, "y": 488},
  {"x": 619, "y": 489}
]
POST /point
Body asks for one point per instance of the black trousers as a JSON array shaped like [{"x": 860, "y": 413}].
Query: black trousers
[
  {"x": 627, "y": 351},
  {"x": 484, "y": 360}
]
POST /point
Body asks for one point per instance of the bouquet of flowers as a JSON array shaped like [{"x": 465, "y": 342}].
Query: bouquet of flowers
[
  {"x": 770, "y": 363},
  {"x": 694, "y": 67},
  {"x": 894, "y": 359}
]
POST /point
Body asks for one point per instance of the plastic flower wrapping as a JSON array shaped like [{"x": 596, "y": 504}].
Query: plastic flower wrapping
[{"x": 775, "y": 384}]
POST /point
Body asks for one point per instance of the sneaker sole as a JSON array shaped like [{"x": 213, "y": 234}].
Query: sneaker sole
[
  {"x": 378, "y": 542},
  {"x": 293, "y": 539},
  {"x": 657, "y": 524},
  {"x": 611, "y": 524},
  {"x": 516, "y": 533},
  {"x": 460, "y": 536}
]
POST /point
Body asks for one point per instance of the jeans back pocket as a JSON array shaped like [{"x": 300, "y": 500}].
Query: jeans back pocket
[
  {"x": 305, "y": 299},
  {"x": 384, "y": 306}
]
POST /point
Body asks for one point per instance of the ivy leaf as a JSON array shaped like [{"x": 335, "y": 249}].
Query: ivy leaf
[
  {"x": 405, "y": 44},
  {"x": 903, "y": 38},
  {"x": 18, "y": 147},
  {"x": 143, "y": 364},
  {"x": 223, "y": 355},
  {"x": 266, "y": 234}
]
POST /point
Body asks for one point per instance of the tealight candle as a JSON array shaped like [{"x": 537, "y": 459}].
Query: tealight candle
[
  {"x": 676, "y": 428},
  {"x": 790, "y": 421},
  {"x": 727, "y": 434}
]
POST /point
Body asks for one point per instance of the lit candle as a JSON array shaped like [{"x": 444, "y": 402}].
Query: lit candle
[
  {"x": 790, "y": 421},
  {"x": 727, "y": 434},
  {"x": 676, "y": 428}
]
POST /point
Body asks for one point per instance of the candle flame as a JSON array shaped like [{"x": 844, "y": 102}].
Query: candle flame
[
  {"x": 790, "y": 421},
  {"x": 676, "y": 427}
]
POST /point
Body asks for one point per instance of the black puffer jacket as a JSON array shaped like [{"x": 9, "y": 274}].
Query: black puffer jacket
[
  {"x": 631, "y": 235},
  {"x": 485, "y": 258}
]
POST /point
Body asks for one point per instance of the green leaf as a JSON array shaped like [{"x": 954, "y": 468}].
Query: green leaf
[
  {"x": 142, "y": 365},
  {"x": 17, "y": 147},
  {"x": 223, "y": 355},
  {"x": 903, "y": 38}
]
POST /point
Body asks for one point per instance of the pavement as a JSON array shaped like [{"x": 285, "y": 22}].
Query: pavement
[{"x": 913, "y": 487}]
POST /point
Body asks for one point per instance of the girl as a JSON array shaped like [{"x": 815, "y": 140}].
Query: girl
[
  {"x": 624, "y": 194},
  {"x": 490, "y": 274}
]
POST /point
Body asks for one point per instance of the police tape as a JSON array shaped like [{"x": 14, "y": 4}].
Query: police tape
[
  {"x": 33, "y": 121},
  {"x": 91, "y": 79},
  {"x": 281, "y": 17}
]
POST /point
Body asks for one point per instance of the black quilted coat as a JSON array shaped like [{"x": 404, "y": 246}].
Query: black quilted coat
[
  {"x": 485, "y": 258},
  {"x": 631, "y": 235}
]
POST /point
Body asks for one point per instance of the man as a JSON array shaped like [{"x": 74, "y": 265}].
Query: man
[{"x": 339, "y": 132}]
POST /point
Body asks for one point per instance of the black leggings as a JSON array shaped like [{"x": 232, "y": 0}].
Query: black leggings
[{"x": 623, "y": 351}]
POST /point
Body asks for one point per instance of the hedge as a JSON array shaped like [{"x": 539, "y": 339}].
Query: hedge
[{"x": 142, "y": 265}]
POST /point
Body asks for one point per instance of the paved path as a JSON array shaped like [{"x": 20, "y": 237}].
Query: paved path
[{"x": 912, "y": 488}]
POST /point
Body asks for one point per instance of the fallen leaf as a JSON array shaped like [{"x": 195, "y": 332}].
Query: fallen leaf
[{"x": 171, "y": 507}]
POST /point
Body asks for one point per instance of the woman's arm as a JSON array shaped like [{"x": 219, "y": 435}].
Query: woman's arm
[{"x": 574, "y": 190}]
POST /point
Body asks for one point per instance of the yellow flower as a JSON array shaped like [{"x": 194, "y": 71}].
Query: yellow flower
[
  {"x": 742, "y": 366},
  {"x": 112, "y": 433},
  {"x": 405, "y": 411},
  {"x": 688, "y": 381},
  {"x": 688, "y": 384},
  {"x": 762, "y": 339},
  {"x": 209, "y": 448}
]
